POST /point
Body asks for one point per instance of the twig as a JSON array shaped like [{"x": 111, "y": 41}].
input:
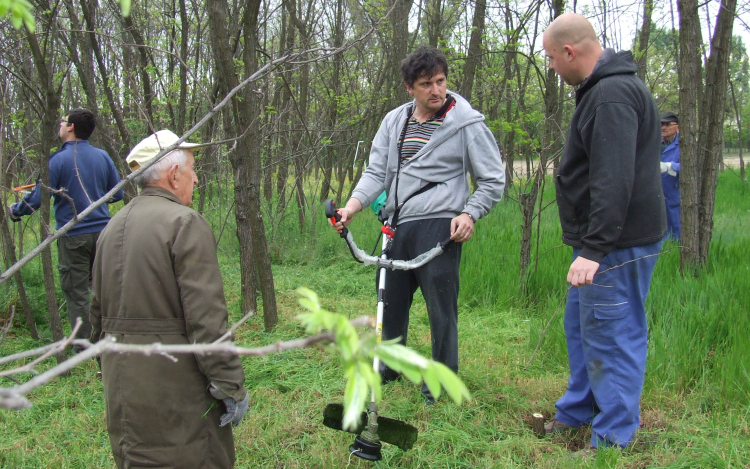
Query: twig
[
  {"x": 64, "y": 194},
  {"x": 234, "y": 327},
  {"x": 548, "y": 250},
  {"x": 29, "y": 368},
  {"x": 14, "y": 397},
  {"x": 28, "y": 353},
  {"x": 544, "y": 332},
  {"x": 64, "y": 229}
]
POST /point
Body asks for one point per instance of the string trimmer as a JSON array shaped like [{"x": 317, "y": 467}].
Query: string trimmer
[{"x": 367, "y": 443}]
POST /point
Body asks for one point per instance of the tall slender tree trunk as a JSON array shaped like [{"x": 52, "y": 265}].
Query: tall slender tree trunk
[
  {"x": 48, "y": 119},
  {"x": 246, "y": 158},
  {"x": 148, "y": 92},
  {"x": 434, "y": 21},
  {"x": 88, "y": 7},
  {"x": 712, "y": 125},
  {"x": 550, "y": 143},
  {"x": 9, "y": 248},
  {"x": 330, "y": 153},
  {"x": 701, "y": 131},
  {"x": 475, "y": 48},
  {"x": 643, "y": 38},
  {"x": 738, "y": 116}
]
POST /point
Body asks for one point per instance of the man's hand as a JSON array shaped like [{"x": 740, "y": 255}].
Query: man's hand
[
  {"x": 462, "y": 228},
  {"x": 235, "y": 411},
  {"x": 13, "y": 217},
  {"x": 347, "y": 214},
  {"x": 582, "y": 272},
  {"x": 664, "y": 167}
]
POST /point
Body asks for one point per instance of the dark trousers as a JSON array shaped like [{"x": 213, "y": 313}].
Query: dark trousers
[
  {"x": 607, "y": 337},
  {"x": 438, "y": 281},
  {"x": 75, "y": 255}
]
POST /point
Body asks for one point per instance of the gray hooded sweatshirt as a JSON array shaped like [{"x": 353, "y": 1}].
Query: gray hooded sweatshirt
[{"x": 462, "y": 144}]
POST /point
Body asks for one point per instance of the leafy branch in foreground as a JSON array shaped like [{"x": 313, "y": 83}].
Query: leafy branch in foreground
[{"x": 357, "y": 353}]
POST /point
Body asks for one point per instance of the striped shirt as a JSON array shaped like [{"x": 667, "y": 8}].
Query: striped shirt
[{"x": 417, "y": 135}]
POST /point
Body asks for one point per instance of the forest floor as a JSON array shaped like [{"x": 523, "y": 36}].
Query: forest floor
[{"x": 695, "y": 408}]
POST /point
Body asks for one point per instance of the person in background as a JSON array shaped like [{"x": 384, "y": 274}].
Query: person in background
[
  {"x": 612, "y": 215},
  {"x": 157, "y": 279},
  {"x": 85, "y": 174},
  {"x": 670, "y": 171}
]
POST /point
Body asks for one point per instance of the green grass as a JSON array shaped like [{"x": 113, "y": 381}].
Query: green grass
[{"x": 695, "y": 406}]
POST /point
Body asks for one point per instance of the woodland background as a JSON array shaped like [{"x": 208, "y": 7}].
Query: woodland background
[{"x": 319, "y": 77}]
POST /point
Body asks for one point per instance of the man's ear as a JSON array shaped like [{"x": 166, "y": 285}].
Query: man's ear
[
  {"x": 409, "y": 89},
  {"x": 570, "y": 52},
  {"x": 172, "y": 175}
]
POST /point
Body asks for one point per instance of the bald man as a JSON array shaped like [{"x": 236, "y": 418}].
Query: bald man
[{"x": 612, "y": 212}]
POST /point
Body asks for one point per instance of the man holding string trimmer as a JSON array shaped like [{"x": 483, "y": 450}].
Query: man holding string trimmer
[{"x": 420, "y": 157}]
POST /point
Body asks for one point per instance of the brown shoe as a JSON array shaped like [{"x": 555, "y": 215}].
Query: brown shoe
[{"x": 554, "y": 426}]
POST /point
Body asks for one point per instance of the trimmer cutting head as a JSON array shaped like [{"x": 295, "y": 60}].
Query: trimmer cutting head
[{"x": 391, "y": 431}]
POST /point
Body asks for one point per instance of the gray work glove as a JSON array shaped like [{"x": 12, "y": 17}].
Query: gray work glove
[
  {"x": 13, "y": 217},
  {"x": 664, "y": 166},
  {"x": 235, "y": 410}
]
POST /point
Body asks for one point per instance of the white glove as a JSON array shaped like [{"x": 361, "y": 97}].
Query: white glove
[
  {"x": 664, "y": 166},
  {"x": 670, "y": 170}
]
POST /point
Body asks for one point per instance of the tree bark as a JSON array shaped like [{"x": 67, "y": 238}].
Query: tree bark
[
  {"x": 434, "y": 21},
  {"x": 88, "y": 7},
  {"x": 738, "y": 116},
  {"x": 9, "y": 248},
  {"x": 148, "y": 92},
  {"x": 48, "y": 118},
  {"x": 643, "y": 37},
  {"x": 690, "y": 167},
  {"x": 475, "y": 48},
  {"x": 245, "y": 163},
  {"x": 712, "y": 125}
]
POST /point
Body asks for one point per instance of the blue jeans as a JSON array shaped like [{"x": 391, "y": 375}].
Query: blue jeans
[{"x": 606, "y": 333}]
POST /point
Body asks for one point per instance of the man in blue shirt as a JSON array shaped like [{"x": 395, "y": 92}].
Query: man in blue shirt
[
  {"x": 670, "y": 171},
  {"x": 85, "y": 174}
]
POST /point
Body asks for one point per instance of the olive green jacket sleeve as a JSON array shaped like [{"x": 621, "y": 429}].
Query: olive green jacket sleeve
[{"x": 196, "y": 269}]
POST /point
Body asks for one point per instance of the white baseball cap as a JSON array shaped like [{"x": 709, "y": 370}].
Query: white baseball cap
[{"x": 150, "y": 146}]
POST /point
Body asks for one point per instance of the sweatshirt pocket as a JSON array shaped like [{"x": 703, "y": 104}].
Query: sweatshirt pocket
[{"x": 568, "y": 217}]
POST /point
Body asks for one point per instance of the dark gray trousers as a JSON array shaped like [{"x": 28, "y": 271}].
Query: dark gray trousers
[
  {"x": 75, "y": 255},
  {"x": 438, "y": 281}
]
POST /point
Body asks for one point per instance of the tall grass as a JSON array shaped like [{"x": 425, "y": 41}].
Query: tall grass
[{"x": 695, "y": 406}]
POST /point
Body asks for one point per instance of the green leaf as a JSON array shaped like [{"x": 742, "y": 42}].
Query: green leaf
[
  {"x": 452, "y": 384},
  {"x": 372, "y": 378},
  {"x": 355, "y": 395},
  {"x": 432, "y": 381}
]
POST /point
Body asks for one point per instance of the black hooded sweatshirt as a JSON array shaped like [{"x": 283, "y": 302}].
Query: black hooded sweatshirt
[{"x": 608, "y": 181}]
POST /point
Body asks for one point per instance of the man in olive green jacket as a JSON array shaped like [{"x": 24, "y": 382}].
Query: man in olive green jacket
[{"x": 156, "y": 279}]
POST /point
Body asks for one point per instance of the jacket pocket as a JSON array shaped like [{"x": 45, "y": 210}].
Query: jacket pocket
[{"x": 568, "y": 217}]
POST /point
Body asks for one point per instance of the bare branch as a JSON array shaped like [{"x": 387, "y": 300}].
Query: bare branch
[
  {"x": 234, "y": 327},
  {"x": 15, "y": 397}
]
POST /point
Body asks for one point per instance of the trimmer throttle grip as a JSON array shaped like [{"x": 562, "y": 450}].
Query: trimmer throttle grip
[{"x": 333, "y": 214}]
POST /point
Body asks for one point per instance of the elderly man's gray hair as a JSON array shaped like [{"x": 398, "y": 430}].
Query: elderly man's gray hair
[{"x": 177, "y": 157}]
